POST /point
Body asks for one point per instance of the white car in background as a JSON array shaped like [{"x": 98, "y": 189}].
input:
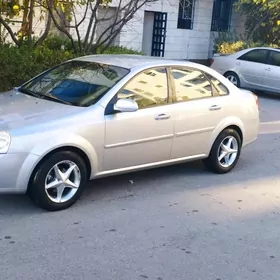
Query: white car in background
[{"x": 254, "y": 68}]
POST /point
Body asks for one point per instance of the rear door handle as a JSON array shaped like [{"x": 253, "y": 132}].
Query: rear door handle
[
  {"x": 162, "y": 117},
  {"x": 215, "y": 108},
  {"x": 267, "y": 69}
]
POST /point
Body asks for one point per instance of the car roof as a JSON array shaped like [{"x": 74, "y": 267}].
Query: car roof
[
  {"x": 130, "y": 61},
  {"x": 263, "y": 48}
]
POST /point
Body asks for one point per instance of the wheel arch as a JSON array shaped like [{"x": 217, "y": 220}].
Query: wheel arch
[
  {"x": 69, "y": 148},
  {"x": 237, "y": 129},
  {"x": 233, "y": 123},
  {"x": 230, "y": 71},
  {"x": 73, "y": 149}
]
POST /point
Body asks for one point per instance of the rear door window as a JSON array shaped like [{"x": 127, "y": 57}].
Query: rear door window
[
  {"x": 190, "y": 84},
  {"x": 274, "y": 58}
]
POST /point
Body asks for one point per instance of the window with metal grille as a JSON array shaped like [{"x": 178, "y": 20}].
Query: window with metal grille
[
  {"x": 186, "y": 14},
  {"x": 221, "y": 15}
]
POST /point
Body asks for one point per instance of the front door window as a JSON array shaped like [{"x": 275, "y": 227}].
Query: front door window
[{"x": 148, "y": 89}]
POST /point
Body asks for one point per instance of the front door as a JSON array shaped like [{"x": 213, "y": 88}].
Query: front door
[
  {"x": 159, "y": 34},
  {"x": 198, "y": 112},
  {"x": 145, "y": 136},
  {"x": 272, "y": 73}
]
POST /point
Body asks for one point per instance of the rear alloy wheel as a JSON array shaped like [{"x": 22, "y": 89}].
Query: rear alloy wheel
[
  {"x": 58, "y": 181},
  {"x": 233, "y": 78},
  {"x": 225, "y": 152}
]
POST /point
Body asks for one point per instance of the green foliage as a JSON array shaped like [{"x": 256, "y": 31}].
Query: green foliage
[
  {"x": 118, "y": 50},
  {"x": 228, "y": 43},
  {"x": 230, "y": 47},
  {"x": 262, "y": 20},
  {"x": 63, "y": 43},
  {"x": 233, "y": 47},
  {"x": 10, "y": 8},
  {"x": 18, "y": 65},
  {"x": 54, "y": 42},
  {"x": 224, "y": 38}
]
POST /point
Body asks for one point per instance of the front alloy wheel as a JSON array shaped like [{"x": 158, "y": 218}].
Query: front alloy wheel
[
  {"x": 58, "y": 181},
  {"x": 63, "y": 181}
]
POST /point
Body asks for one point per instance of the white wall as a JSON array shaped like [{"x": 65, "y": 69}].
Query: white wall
[
  {"x": 180, "y": 43},
  {"x": 147, "y": 33},
  {"x": 108, "y": 14}
]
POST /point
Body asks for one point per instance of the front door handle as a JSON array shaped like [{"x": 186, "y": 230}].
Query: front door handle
[
  {"x": 162, "y": 117},
  {"x": 215, "y": 108},
  {"x": 267, "y": 69}
]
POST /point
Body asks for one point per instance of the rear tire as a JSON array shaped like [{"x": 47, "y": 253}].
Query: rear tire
[
  {"x": 233, "y": 78},
  {"x": 58, "y": 181},
  {"x": 225, "y": 152}
]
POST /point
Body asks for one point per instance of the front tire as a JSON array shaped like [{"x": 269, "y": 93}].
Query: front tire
[
  {"x": 58, "y": 181},
  {"x": 233, "y": 78},
  {"x": 225, "y": 152}
]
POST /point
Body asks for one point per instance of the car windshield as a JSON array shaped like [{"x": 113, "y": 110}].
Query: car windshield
[{"x": 78, "y": 83}]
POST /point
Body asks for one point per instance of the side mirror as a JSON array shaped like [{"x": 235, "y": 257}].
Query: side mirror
[{"x": 126, "y": 105}]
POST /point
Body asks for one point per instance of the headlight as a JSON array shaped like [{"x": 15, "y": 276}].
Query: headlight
[{"x": 5, "y": 141}]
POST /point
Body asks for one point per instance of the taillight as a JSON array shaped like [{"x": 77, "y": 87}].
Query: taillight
[
  {"x": 257, "y": 101},
  {"x": 211, "y": 61}
]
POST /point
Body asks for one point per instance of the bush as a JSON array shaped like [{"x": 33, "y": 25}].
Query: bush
[
  {"x": 57, "y": 43},
  {"x": 119, "y": 50},
  {"x": 17, "y": 65},
  {"x": 229, "y": 44},
  {"x": 233, "y": 47},
  {"x": 54, "y": 42},
  {"x": 230, "y": 47}
]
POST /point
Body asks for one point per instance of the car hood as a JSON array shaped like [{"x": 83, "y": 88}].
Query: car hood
[{"x": 17, "y": 110}]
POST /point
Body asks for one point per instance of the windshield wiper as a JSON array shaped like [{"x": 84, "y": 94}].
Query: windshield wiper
[
  {"x": 42, "y": 96},
  {"x": 29, "y": 92},
  {"x": 53, "y": 98}
]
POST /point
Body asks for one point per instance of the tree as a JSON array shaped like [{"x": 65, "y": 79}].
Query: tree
[
  {"x": 71, "y": 17},
  {"x": 23, "y": 13},
  {"x": 262, "y": 20},
  {"x": 88, "y": 24}
]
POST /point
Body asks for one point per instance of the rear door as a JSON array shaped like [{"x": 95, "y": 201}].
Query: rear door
[
  {"x": 199, "y": 109},
  {"x": 272, "y": 72},
  {"x": 251, "y": 67}
]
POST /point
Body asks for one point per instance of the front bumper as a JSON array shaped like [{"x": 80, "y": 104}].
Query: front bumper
[{"x": 15, "y": 171}]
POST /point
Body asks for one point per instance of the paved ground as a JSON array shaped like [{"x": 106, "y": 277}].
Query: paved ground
[{"x": 175, "y": 223}]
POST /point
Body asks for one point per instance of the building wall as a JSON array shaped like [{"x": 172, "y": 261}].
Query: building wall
[
  {"x": 180, "y": 43},
  {"x": 196, "y": 43}
]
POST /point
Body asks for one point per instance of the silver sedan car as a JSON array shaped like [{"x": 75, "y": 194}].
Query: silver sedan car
[
  {"x": 103, "y": 115},
  {"x": 253, "y": 69}
]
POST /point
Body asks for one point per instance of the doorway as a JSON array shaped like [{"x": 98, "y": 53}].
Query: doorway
[{"x": 154, "y": 33}]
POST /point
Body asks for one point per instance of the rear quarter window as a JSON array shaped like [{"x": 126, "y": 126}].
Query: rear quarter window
[{"x": 219, "y": 87}]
